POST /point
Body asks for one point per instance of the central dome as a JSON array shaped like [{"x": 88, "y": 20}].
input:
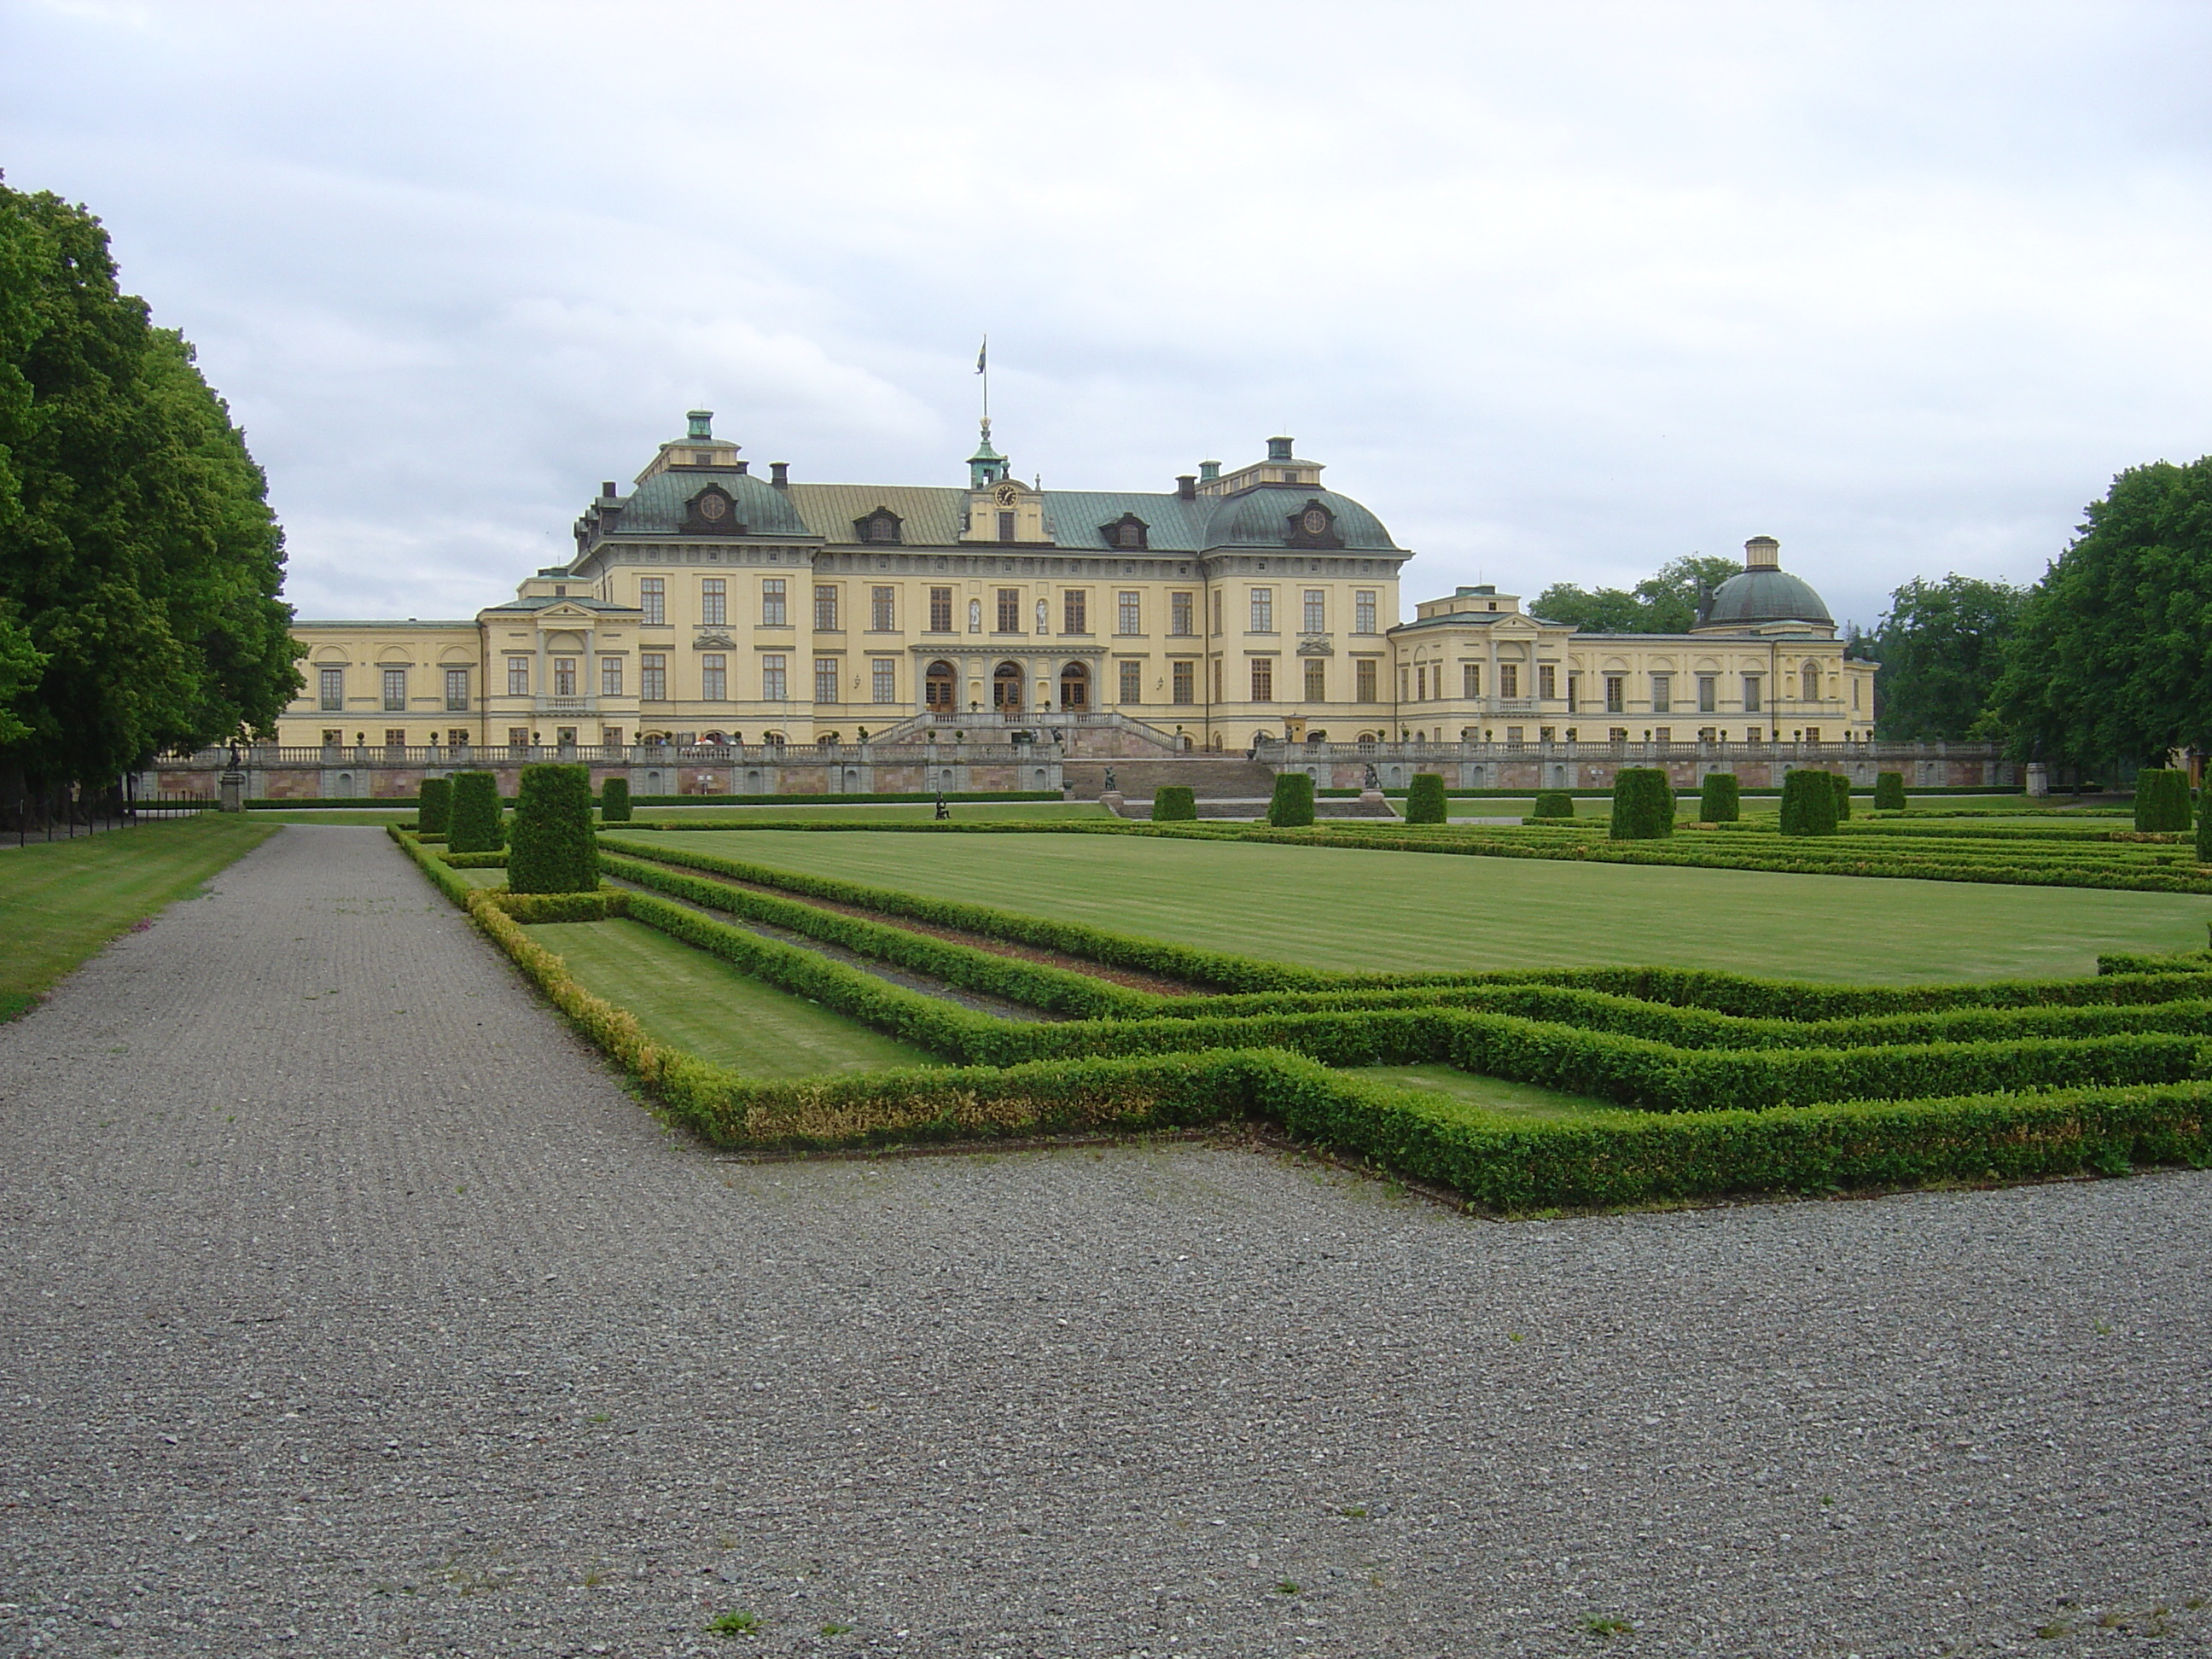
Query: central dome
[{"x": 1763, "y": 592}]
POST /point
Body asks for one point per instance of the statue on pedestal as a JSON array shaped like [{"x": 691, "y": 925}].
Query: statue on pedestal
[
  {"x": 1109, "y": 781},
  {"x": 1372, "y": 780}
]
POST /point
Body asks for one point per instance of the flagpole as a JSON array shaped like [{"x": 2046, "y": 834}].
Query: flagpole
[{"x": 983, "y": 368}]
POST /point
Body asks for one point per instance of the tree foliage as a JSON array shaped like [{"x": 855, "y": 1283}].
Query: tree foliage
[
  {"x": 1941, "y": 645},
  {"x": 2112, "y": 658},
  {"x": 1667, "y": 602},
  {"x": 139, "y": 562}
]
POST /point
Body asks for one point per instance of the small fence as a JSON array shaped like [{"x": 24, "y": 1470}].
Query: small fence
[{"x": 64, "y": 812}]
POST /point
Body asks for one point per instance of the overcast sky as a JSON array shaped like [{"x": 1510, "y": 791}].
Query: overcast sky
[{"x": 1561, "y": 291}]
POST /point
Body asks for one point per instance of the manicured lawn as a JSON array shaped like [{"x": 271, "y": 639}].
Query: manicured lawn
[
  {"x": 1338, "y": 907},
  {"x": 919, "y": 812},
  {"x": 692, "y": 1001},
  {"x": 1492, "y": 1094},
  {"x": 61, "y": 901}
]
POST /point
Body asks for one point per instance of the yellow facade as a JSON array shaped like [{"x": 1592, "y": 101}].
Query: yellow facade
[{"x": 709, "y": 605}]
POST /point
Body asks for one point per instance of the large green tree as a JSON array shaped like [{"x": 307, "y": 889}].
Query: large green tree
[
  {"x": 139, "y": 562},
  {"x": 1941, "y": 647},
  {"x": 2113, "y": 657},
  {"x": 1667, "y": 602}
]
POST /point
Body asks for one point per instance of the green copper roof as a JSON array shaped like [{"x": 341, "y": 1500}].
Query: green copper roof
[
  {"x": 1753, "y": 597},
  {"x": 660, "y": 506}
]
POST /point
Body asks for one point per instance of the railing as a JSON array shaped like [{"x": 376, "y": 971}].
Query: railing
[
  {"x": 463, "y": 756},
  {"x": 1414, "y": 749}
]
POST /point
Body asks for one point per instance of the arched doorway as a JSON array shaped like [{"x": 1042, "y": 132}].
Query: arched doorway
[
  {"x": 1006, "y": 687},
  {"x": 1075, "y": 687},
  {"x": 938, "y": 683}
]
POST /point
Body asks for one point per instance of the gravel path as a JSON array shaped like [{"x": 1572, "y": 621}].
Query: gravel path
[{"x": 353, "y": 1309}]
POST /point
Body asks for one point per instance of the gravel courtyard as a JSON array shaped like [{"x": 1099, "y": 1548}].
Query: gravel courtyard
[{"x": 354, "y": 1306}]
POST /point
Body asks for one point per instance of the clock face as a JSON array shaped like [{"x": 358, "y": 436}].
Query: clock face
[
  {"x": 1008, "y": 495},
  {"x": 1315, "y": 522},
  {"x": 713, "y": 507}
]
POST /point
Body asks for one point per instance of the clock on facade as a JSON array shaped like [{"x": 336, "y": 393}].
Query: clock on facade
[{"x": 1008, "y": 495}]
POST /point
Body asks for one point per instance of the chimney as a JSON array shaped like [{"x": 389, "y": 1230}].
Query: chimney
[
  {"x": 1762, "y": 553},
  {"x": 608, "y": 488},
  {"x": 702, "y": 422},
  {"x": 743, "y": 467},
  {"x": 1209, "y": 472},
  {"x": 1279, "y": 449},
  {"x": 778, "y": 474},
  {"x": 1187, "y": 486}
]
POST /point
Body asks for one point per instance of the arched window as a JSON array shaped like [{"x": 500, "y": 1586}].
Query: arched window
[
  {"x": 1006, "y": 687},
  {"x": 1075, "y": 686},
  {"x": 1812, "y": 682},
  {"x": 938, "y": 685}
]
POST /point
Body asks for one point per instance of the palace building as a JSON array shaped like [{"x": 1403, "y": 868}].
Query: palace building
[{"x": 709, "y": 606}]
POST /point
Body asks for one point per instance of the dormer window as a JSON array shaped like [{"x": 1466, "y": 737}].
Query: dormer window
[
  {"x": 883, "y": 527},
  {"x": 1313, "y": 525},
  {"x": 1126, "y": 531},
  {"x": 712, "y": 512}
]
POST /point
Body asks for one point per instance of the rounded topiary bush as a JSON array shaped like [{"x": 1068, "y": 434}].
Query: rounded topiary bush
[
  {"x": 1174, "y": 803},
  {"x": 1642, "y": 804},
  {"x": 614, "y": 801},
  {"x": 1809, "y": 803},
  {"x": 551, "y": 849},
  {"x": 1720, "y": 799},
  {"x": 473, "y": 823},
  {"x": 1842, "y": 786},
  {"x": 1291, "y": 805},
  {"x": 1889, "y": 791},
  {"x": 1424, "y": 798},
  {"x": 2162, "y": 798},
  {"x": 434, "y": 806},
  {"x": 1553, "y": 804}
]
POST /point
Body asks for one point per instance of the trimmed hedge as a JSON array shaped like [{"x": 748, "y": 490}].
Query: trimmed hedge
[
  {"x": 1889, "y": 791},
  {"x": 434, "y": 806},
  {"x": 1425, "y": 800},
  {"x": 1291, "y": 805},
  {"x": 1174, "y": 803},
  {"x": 551, "y": 849},
  {"x": 2204, "y": 822},
  {"x": 2162, "y": 798},
  {"x": 1553, "y": 804},
  {"x": 1720, "y": 799},
  {"x": 614, "y": 801},
  {"x": 1809, "y": 803},
  {"x": 474, "y": 825},
  {"x": 1642, "y": 804},
  {"x": 1842, "y": 786}
]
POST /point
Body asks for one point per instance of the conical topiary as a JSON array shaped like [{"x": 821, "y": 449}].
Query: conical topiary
[
  {"x": 1291, "y": 806},
  {"x": 1809, "y": 803},
  {"x": 1424, "y": 798}
]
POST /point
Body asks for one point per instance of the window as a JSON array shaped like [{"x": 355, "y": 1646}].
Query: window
[
  {"x": 333, "y": 736},
  {"x": 773, "y": 611},
  {"x": 1405, "y": 684},
  {"x": 774, "y": 685},
  {"x": 1751, "y": 734},
  {"x": 611, "y": 736},
  {"x": 1009, "y": 611},
  {"x": 610, "y": 676},
  {"x": 1854, "y": 693},
  {"x": 1663, "y": 694},
  {"x": 1132, "y": 682},
  {"x": 1547, "y": 681},
  {"x": 517, "y": 737},
  {"x": 1812, "y": 682},
  {"x": 1263, "y": 611},
  {"x": 884, "y": 677},
  {"x": 518, "y": 677},
  {"x": 1217, "y": 679},
  {"x": 456, "y": 690},
  {"x": 564, "y": 677},
  {"x": 1075, "y": 686},
  {"x": 1363, "y": 680},
  {"x": 1075, "y": 610},
  {"x": 1812, "y": 734},
  {"x": 1316, "y": 609},
  {"x": 825, "y": 608},
  {"x": 1363, "y": 610},
  {"x": 1616, "y": 693},
  {"x": 1183, "y": 682},
  {"x": 940, "y": 610},
  {"x": 715, "y": 676},
  {"x": 1750, "y": 694},
  {"x": 714, "y": 602},
  {"x": 825, "y": 679},
  {"x": 1664, "y": 734},
  {"x": 936, "y": 687},
  {"x": 1708, "y": 693},
  {"x": 1316, "y": 680},
  {"x": 1509, "y": 680},
  {"x": 1128, "y": 612},
  {"x": 331, "y": 683},
  {"x": 1216, "y": 612},
  {"x": 883, "y": 609},
  {"x": 652, "y": 599},
  {"x": 1180, "y": 622},
  {"x": 458, "y": 738},
  {"x": 1616, "y": 734},
  {"x": 395, "y": 689},
  {"x": 1005, "y": 526},
  {"x": 1128, "y": 534},
  {"x": 1263, "y": 679},
  {"x": 1574, "y": 695},
  {"x": 1513, "y": 736},
  {"x": 1420, "y": 682},
  {"x": 653, "y": 676},
  {"x": 1470, "y": 679},
  {"x": 395, "y": 737}
]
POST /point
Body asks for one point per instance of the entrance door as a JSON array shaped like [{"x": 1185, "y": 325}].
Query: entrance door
[
  {"x": 1075, "y": 687},
  {"x": 1006, "y": 688},
  {"x": 937, "y": 689}
]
